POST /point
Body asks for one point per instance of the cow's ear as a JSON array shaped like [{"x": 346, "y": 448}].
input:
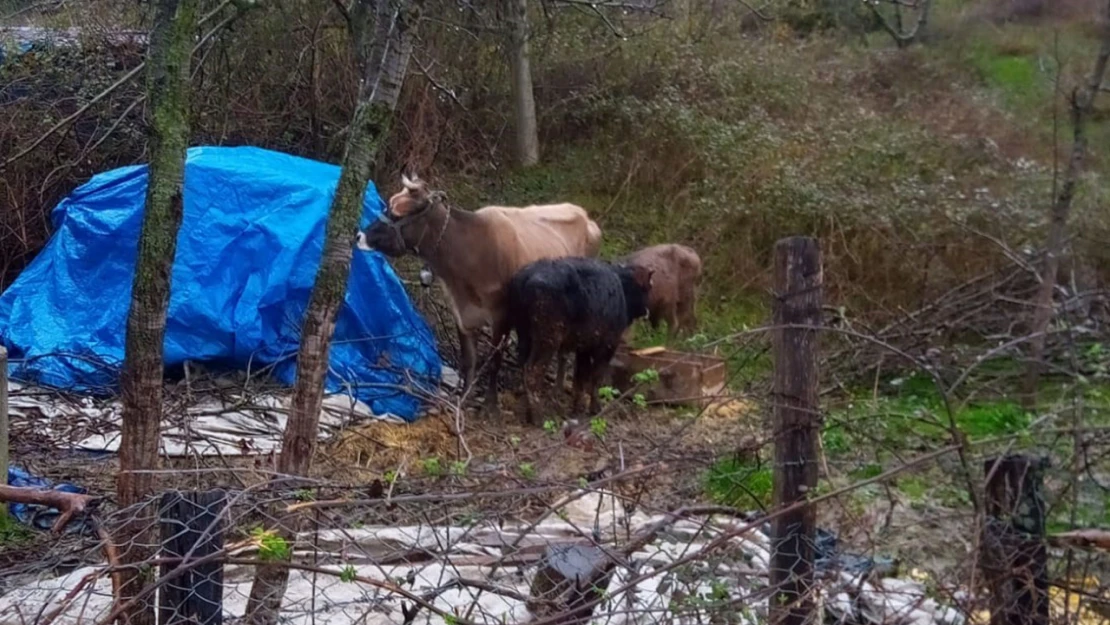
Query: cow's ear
[{"x": 651, "y": 278}]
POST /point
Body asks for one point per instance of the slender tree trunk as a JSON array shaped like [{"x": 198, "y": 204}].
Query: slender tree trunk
[
  {"x": 527, "y": 139},
  {"x": 383, "y": 58},
  {"x": 390, "y": 50},
  {"x": 716, "y": 11},
  {"x": 1082, "y": 101},
  {"x": 168, "y": 91},
  {"x": 897, "y": 30}
]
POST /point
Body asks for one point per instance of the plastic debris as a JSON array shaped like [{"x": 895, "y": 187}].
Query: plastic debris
[{"x": 41, "y": 517}]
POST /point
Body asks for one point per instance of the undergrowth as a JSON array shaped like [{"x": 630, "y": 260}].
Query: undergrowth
[
  {"x": 12, "y": 533},
  {"x": 739, "y": 483},
  {"x": 890, "y": 157}
]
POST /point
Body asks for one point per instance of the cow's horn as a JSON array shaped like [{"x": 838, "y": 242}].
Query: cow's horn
[{"x": 409, "y": 184}]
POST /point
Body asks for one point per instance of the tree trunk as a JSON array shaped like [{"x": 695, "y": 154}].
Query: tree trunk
[
  {"x": 527, "y": 138},
  {"x": 897, "y": 31},
  {"x": 141, "y": 382},
  {"x": 390, "y": 50},
  {"x": 716, "y": 11},
  {"x": 1082, "y": 101},
  {"x": 383, "y": 60}
]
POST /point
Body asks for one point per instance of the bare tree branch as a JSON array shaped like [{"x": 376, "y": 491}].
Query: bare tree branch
[
  {"x": 1082, "y": 100},
  {"x": 343, "y": 10},
  {"x": 757, "y": 12},
  {"x": 123, "y": 80},
  {"x": 69, "y": 504}
]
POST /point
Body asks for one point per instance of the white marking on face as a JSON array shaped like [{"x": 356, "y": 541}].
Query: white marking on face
[{"x": 360, "y": 242}]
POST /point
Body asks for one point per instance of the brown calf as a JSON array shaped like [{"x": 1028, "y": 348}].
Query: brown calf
[
  {"x": 475, "y": 255},
  {"x": 677, "y": 275}
]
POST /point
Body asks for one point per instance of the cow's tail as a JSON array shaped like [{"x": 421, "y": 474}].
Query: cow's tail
[{"x": 519, "y": 319}]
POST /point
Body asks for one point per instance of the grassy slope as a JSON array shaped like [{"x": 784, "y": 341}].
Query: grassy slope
[
  {"x": 740, "y": 142},
  {"x": 879, "y": 152}
]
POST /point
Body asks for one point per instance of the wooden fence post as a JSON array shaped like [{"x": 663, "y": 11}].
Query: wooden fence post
[
  {"x": 797, "y": 422},
  {"x": 192, "y": 521},
  {"x": 4, "y": 449},
  {"x": 1014, "y": 556}
]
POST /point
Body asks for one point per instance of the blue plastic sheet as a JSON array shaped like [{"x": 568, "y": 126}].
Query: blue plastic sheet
[
  {"x": 828, "y": 556},
  {"x": 37, "y": 516},
  {"x": 247, "y": 254}
]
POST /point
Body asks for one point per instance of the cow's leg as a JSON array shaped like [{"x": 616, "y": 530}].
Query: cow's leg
[
  {"x": 466, "y": 360},
  {"x": 687, "y": 319},
  {"x": 599, "y": 365},
  {"x": 500, "y": 336},
  {"x": 533, "y": 377},
  {"x": 535, "y": 372},
  {"x": 672, "y": 321},
  {"x": 687, "y": 301},
  {"x": 561, "y": 374},
  {"x": 582, "y": 366}
]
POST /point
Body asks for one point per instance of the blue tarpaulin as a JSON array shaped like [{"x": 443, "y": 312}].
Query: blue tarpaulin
[
  {"x": 37, "y": 516},
  {"x": 247, "y": 253}
]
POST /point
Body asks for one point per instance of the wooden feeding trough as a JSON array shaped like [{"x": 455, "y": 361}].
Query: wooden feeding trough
[{"x": 684, "y": 377}]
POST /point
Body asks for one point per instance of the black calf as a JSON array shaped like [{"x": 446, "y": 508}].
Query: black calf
[{"x": 574, "y": 304}]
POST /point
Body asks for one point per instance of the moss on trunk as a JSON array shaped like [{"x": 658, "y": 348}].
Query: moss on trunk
[
  {"x": 370, "y": 124},
  {"x": 168, "y": 92}
]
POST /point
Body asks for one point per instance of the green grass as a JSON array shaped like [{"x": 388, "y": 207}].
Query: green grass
[
  {"x": 1093, "y": 512},
  {"x": 1020, "y": 64},
  {"x": 1015, "y": 75},
  {"x": 12, "y": 533},
  {"x": 760, "y": 140},
  {"x": 739, "y": 484},
  {"x": 866, "y": 471},
  {"x": 913, "y": 487},
  {"x": 913, "y": 408}
]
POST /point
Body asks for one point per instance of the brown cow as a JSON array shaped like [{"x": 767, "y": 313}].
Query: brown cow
[
  {"x": 475, "y": 254},
  {"x": 677, "y": 274}
]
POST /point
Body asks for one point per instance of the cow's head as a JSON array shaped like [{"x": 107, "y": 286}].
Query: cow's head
[
  {"x": 636, "y": 282},
  {"x": 399, "y": 229}
]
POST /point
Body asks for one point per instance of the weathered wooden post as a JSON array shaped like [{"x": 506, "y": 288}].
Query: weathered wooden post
[
  {"x": 797, "y": 422},
  {"x": 1014, "y": 556},
  {"x": 569, "y": 579},
  {"x": 192, "y": 521},
  {"x": 4, "y": 457}
]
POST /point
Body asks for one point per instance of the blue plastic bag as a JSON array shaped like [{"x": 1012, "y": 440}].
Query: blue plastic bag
[{"x": 36, "y": 516}]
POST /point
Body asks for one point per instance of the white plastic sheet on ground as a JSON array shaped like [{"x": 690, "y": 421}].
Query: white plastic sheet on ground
[
  {"x": 469, "y": 553},
  {"x": 227, "y": 425}
]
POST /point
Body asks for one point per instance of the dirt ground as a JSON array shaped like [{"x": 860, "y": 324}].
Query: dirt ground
[
  {"x": 429, "y": 456},
  {"x": 668, "y": 449}
]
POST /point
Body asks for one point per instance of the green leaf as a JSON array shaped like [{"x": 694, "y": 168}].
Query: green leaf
[
  {"x": 599, "y": 426},
  {"x": 271, "y": 547},
  {"x": 348, "y": 574}
]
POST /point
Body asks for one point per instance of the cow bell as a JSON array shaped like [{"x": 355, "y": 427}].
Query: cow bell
[{"x": 426, "y": 277}]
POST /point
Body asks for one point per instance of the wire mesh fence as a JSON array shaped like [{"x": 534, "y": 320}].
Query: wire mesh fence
[{"x": 939, "y": 497}]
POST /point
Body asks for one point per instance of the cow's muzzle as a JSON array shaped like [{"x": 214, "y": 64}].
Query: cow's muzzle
[{"x": 360, "y": 242}]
